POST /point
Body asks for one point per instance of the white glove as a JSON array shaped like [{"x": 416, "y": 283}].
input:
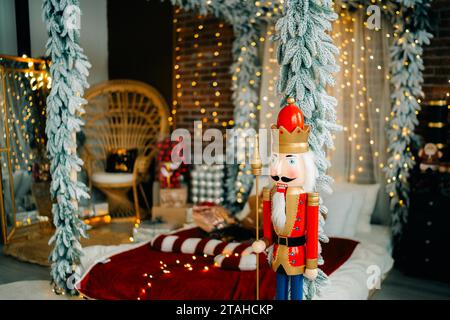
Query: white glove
[
  {"x": 259, "y": 246},
  {"x": 311, "y": 274}
]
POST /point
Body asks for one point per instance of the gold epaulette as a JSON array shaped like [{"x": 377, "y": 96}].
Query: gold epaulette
[
  {"x": 294, "y": 191},
  {"x": 313, "y": 198},
  {"x": 266, "y": 193}
]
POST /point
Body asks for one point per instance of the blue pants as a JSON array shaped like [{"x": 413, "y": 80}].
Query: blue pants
[{"x": 283, "y": 286}]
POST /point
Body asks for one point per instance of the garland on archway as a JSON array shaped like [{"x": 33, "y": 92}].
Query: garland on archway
[
  {"x": 410, "y": 27},
  {"x": 306, "y": 54},
  {"x": 304, "y": 75},
  {"x": 411, "y": 24},
  {"x": 69, "y": 70}
]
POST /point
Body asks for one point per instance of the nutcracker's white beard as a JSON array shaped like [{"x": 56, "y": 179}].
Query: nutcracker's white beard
[
  {"x": 279, "y": 210},
  {"x": 311, "y": 172}
]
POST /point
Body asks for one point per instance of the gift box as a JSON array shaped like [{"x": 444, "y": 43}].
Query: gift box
[
  {"x": 173, "y": 198},
  {"x": 171, "y": 167},
  {"x": 175, "y": 216}
]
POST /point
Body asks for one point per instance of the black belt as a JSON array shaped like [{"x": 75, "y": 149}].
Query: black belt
[{"x": 291, "y": 242}]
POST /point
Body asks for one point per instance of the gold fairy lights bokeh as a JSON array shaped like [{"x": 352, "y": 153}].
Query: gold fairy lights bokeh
[
  {"x": 198, "y": 85},
  {"x": 358, "y": 133},
  {"x": 405, "y": 132},
  {"x": 360, "y": 129},
  {"x": 38, "y": 79},
  {"x": 357, "y": 130}
]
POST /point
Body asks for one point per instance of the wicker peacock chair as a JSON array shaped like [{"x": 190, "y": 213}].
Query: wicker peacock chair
[{"x": 122, "y": 115}]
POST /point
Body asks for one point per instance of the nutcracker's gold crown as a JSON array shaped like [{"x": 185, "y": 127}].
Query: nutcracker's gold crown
[
  {"x": 284, "y": 141},
  {"x": 290, "y": 134}
]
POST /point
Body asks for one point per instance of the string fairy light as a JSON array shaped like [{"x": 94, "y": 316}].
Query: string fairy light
[
  {"x": 28, "y": 82},
  {"x": 362, "y": 144},
  {"x": 200, "y": 89},
  {"x": 200, "y": 264},
  {"x": 270, "y": 99}
]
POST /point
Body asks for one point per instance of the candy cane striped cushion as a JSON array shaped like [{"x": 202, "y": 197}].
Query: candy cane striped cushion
[{"x": 228, "y": 255}]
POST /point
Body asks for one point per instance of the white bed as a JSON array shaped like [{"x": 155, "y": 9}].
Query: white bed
[
  {"x": 346, "y": 283},
  {"x": 371, "y": 261},
  {"x": 350, "y": 210}
]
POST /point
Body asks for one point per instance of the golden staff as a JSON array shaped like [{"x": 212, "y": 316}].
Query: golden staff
[{"x": 256, "y": 165}]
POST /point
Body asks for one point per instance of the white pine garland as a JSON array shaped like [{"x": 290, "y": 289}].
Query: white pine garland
[
  {"x": 69, "y": 70},
  {"x": 410, "y": 27},
  {"x": 306, "y": 54}
]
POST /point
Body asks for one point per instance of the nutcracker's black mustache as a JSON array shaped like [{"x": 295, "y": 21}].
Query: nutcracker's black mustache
[{"x": 284, "y": 179}]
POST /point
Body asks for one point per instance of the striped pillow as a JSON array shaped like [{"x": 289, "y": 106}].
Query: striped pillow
[{"x": 227, "y": 255}]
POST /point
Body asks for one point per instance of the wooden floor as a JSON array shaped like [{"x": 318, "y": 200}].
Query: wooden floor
[{"x": 396, "y": 286}]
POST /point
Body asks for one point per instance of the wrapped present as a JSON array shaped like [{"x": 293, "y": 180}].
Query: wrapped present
[
  {"x": 173, "y": 198},
  {"x": 171, "y": 167},
  {"x": 169, "y": 175},
  {"x": 211, "y": 217},
  {"x": 249, "y": 221},
  {"x": 173, "y": 216}
]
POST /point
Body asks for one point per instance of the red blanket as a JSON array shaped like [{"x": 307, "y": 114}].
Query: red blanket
[{"x": 144, "y": 273}]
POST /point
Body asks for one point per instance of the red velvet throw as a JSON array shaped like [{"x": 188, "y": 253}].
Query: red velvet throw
[{"x": 145, "y": 273}]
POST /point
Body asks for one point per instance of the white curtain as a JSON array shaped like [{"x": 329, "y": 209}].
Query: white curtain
[
  {"x": 362, "y": 90},
  {"x": 269, "y": 99}
]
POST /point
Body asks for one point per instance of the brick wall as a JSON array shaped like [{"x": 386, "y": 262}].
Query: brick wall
[
  {"x": 437, "y": 55},
  {"x": 202, "y": 81}
]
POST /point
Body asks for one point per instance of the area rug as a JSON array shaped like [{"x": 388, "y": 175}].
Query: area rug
[{"x": 37, "y": 250}]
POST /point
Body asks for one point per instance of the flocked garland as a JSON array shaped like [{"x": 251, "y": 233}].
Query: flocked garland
[
  {"x": 69, "y": 70},
  {"x": 410, "y": 26},
  {"x": 306, "y": 55}
]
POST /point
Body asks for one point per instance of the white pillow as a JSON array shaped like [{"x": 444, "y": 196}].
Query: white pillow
[
  {"x": 368, "y": 193},
  {"x": 354, "y": 213},
  {"x": 345, "y": 207},
  {"x": 339, "y": 205},
  {"x": 370, "y": 201}
]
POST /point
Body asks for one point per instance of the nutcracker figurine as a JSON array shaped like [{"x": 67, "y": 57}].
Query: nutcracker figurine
[{"x": 290, "y": 206}]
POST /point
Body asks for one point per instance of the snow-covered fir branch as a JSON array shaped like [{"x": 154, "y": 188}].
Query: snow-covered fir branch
[
  {"x": 69, "y": 70},
  {"x": 306, "y": 54},
  {"x": 410, "y": 27}
]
